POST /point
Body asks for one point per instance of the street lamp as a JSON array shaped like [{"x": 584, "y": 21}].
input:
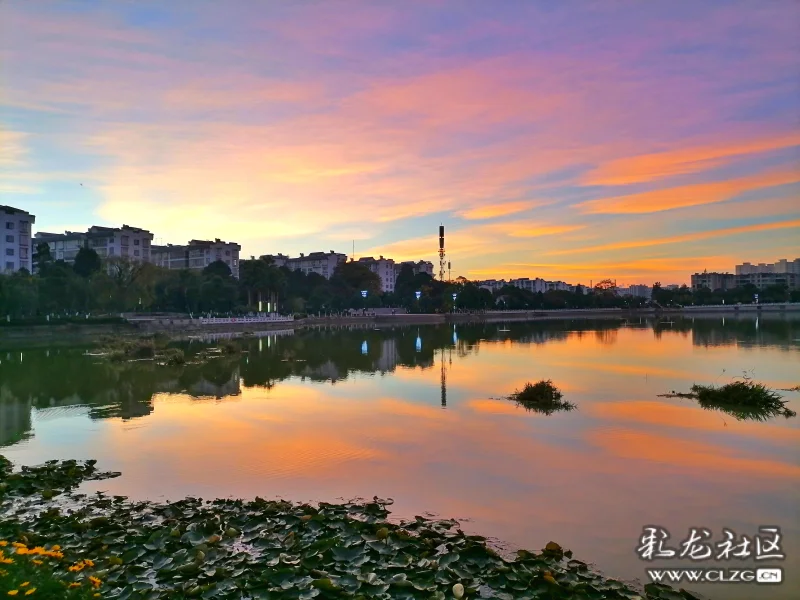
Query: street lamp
[
  {"x": 418, "y": 294},
  {"x": 363, "y": 293}
]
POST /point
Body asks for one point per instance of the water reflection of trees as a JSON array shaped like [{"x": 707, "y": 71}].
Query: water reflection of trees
[{"x": 46, "y": 379}]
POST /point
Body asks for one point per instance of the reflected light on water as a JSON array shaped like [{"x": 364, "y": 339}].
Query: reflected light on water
[{"x": 324, "y": 415}]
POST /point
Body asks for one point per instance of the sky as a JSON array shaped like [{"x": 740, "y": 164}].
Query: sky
[{"x": 641, "y": 141}]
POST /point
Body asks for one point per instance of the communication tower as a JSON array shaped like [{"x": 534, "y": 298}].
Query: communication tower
[{"x": 442, "y": 260}]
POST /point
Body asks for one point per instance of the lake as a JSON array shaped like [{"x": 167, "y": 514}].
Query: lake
[{"x": 418, "y": 415}]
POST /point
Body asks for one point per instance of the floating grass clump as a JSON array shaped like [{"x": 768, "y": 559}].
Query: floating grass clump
[
  {"x": 542, "y": 397},
  {"x": 172, "y": 357},
  {"x": 237, "y": 549},
  {"x": 744, "y": 399}
]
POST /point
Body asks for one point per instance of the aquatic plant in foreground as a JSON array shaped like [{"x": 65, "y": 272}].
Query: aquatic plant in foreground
[{"x": 277, "y": 549}]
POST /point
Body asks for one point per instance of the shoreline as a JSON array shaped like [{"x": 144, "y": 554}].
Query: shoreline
[{"x": 68, "y": 334}]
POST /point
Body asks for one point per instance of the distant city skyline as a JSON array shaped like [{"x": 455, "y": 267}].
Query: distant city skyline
[{"x": 574, "y": 141}]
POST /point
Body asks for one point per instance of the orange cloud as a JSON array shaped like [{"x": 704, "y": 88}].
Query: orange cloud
[
  {"x": 680, "y": 239},
  {"x": 624, "y": 271},
  {"x": 491, "y": 211},
  {"x": 524, "y": 231},
  {"x": 688, "y": 195},
  {"x": 659, "y": 165}
]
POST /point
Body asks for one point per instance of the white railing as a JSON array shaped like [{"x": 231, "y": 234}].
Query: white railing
[{"x": 240, "y": 320}]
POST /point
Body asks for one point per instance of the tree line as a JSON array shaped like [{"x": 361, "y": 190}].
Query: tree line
[{"x": 92, "y": 285}]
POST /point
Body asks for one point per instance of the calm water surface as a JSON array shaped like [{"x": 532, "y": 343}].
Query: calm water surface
[{"x": 412, "y": 414}]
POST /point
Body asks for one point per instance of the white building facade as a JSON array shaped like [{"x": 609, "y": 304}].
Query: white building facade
[
  {"x": 322, "y": 263},
  {"x": 16, "y": 250},
  {"x": 422, "y": 266},
  {"x": 197, "y": 255},
  {"x": 781, "y": 266},
  {"x": 383, "y": 268},
  {"x": 126, "y": 242}
]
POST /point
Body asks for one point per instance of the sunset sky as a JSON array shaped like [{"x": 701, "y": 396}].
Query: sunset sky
[{"x": 574, "y": 140}]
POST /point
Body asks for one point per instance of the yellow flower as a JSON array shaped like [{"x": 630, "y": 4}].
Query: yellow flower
[
  {"x": 37, "y": 561},
  {"x": 3, "y": 543},
  {"x": 55, "y": 547},
  {"x": 18, "y": 545},
  {"x": 30, "y": 591},
  {"x": 74, "y": 584},
  {"x": 95, "y": 581},
  {"x": 23, "y": 550},
  {"x": 25, "y": 584},
  {"x": 13, "y": 592},
  {"x": 6, "y": 561},
  {"x": 88, "y": 563}
]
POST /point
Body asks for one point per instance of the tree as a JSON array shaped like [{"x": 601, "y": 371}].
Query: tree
[
  {"x": 357, "y": 276},
  {"x": 219, "y": 268},
  {"x": 87, "y": 262},
  {"x": 42, "y": 256}
]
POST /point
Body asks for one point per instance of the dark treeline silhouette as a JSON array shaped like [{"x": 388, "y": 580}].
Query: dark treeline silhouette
[{"x": 93, "y": 286}]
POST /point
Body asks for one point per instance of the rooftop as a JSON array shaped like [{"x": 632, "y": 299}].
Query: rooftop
[{"x": 10, "y": 210}]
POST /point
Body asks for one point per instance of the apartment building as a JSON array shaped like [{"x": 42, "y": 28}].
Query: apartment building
[
  {"x": 781, "y": 266},
  {"x": 763, "y": 280},
  {"x": 532, "y": 285},
  {"x": 492, "y": 285},
  {"x": 16, "y": 251},
  {"x": 383, "y": 268},
  {"x": 197, "y": 255},
  {"x": 128, "y": 242},
  {"x": 636, "y": 291},
  {"x": 713, "y": 281},
  {"x": 322, "y": 263},
  {"x": 422, "y": 266}
]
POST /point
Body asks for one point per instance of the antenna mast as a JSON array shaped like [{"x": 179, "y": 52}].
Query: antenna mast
[{"x": 441, "y": 253}]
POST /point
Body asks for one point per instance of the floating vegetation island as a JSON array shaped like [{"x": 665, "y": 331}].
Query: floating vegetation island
[
  {"x": 157, "y": 348},
  {"x": 542, "y": 397},
  {"x": 79, "y": 546},
  {"x": 743, "y": 399}
]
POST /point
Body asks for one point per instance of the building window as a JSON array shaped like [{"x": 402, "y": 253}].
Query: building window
[
  {"x": 124, "y": 240},
  {"x": 10, "y": 239},
  {"x": 23, "y": 253},
  {"x": 9, "y": 252},
  {"x": 136, "y": 253},
  {"x": 9, "y": 225},
  {"x": 23, "y": 227},
  {"x": 136, "y": 242},
  {"x": 9, "y": 266},
  {"x": 111, "y": 250},
  {"x": 227, "y": 252}
]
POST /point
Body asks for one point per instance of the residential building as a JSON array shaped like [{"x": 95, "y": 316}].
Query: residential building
[
  {"x": 16, "y": 251},
  {"x": 713, "y": 281},
  {"x": 532, "y": 285},
  {"x": 422, "y": 266},
  {"x": 559, "y": 286},
  {"x": 765, "y": 279},
  {"x": 128, "y": 242},
  {"x": 781, "y": 266},
  {"x": 197, "y": 255},
  {"x": 636, "y": 291},
  {"x": 383, "y": 268},
  {"x": 322, "y": 263},
  {"x": 492, "y": 285}
]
